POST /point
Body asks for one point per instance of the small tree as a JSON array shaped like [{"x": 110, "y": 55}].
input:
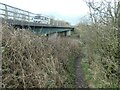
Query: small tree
[{"x": 104, "y": 12}]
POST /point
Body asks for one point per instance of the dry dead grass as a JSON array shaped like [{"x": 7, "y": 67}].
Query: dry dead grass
[{"x": 31, "y": 61}]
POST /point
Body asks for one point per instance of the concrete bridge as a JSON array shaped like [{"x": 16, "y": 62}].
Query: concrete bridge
[{"x": 19, "y": 18}]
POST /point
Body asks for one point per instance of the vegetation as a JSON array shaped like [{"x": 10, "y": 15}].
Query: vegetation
[
  {"x": 99, "y": 45},
  {"x": 99, "y": 41},
  {"x": 30, "y": 61}
]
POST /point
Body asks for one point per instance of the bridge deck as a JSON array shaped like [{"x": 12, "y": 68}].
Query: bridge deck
[
  {"x": 32, "y": 24},
  {"x": 24, "y": 19}
]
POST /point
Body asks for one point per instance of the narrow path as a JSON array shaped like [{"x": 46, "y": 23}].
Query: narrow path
[{"x": 80, "y": 82}]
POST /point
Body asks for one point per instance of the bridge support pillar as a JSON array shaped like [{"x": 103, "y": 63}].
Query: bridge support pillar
[
  {"x": 68, "y": 33},
  {"x": 53, "y": 35}
]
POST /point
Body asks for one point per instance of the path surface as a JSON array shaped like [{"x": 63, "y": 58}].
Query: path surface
[{"x": 80, "y": 82}]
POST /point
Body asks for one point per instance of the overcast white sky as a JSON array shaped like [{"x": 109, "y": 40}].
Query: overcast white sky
[{"x": 69, "y": 10}]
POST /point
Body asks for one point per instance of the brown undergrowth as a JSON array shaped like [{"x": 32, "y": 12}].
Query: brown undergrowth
[{"x": 30, "y": 61}]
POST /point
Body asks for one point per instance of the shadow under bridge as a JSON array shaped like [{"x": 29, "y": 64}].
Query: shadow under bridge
[{"x": 53, "y": 31}]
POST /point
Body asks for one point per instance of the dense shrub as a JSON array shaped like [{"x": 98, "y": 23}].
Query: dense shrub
[
  {"x": 31, "y": 61},
  {"x": 99, "y": 45}
]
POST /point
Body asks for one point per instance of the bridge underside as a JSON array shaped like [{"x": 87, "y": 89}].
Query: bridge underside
[
  {"x": 42, "y": 29},
  {"x": 31, "y": 24},
  {"x": 49, "y": 30},
  {"x": 19, "y": 18}
]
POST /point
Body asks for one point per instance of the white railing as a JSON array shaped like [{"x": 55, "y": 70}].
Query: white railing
[{"x": 9, "y": 12}]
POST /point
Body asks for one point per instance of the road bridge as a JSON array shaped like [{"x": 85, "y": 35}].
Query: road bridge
[{"x": 19, "y": 18}]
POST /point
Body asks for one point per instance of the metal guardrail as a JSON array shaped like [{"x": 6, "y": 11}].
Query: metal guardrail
[{"x": 9, "y": 12}]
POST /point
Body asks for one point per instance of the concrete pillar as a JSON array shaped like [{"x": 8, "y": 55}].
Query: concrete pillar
[
  {"x": 53, "y": 36},
  {"x": 68, "y": 33}
]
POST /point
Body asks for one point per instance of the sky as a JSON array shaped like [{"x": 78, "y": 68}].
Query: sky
[{"x": 68, "y": 10}]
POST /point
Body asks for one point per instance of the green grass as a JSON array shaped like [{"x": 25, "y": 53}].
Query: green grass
[
  {"x": 70, "y": 73},
  {"x": 95, "y": 76},
  {"x": 86, "y": 70}
]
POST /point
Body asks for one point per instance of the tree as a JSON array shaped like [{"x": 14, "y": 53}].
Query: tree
[
  {"x": 105, "y": 16},
  {"x": 103, "y": 12}
]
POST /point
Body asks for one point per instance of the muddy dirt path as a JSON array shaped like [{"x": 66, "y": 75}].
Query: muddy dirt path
[{"x": 80, "y": 82}]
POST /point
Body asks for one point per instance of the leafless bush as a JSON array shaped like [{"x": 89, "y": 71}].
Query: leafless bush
[
  {"x": 100, "y": 43},
  {"x": 31, "y": 61},
  {"x": 100, "y": 48}
]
